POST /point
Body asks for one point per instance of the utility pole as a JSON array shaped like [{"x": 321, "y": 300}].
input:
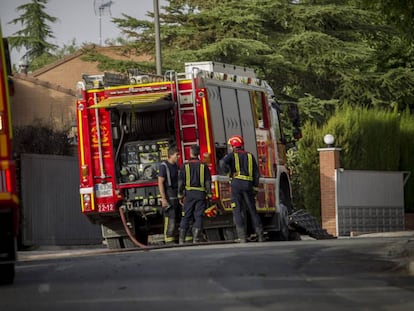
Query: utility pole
[
  {"x": 100, "y": 24},
  {"x": 158, "y": 56}
]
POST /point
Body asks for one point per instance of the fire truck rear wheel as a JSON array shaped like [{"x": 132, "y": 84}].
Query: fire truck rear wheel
[
  {"x": 284, "y": 224},
  {"x": 281, "y": 224}
]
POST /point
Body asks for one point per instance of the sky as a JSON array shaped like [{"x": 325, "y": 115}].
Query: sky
[{"x": 77, "y": 19}]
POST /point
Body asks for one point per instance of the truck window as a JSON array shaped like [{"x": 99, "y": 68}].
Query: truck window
[
  {"x": 259, "y": 110},
  {"x": 276, "y": 124}
]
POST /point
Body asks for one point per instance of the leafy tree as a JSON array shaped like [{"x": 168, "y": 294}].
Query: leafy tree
[
  {"x": 330, "y": 51},
  {"x": 371, "y": 139},
  {"x": 323, "y": 54},
  {"x": 406, "y": 153},
  {"x": 400, "y": 13},
  {"x": 42, "y": 61},
  {"x": 68, "y": 48},
  {"x": 56, "y": 54},
  {"x": 33, "y": 37}
]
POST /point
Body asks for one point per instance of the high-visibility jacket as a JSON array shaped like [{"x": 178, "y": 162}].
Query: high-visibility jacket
[
  {"x": 170, "y": 174},
  {"x": 194, "y": 176},
  {"x": 241, "y": 165}
]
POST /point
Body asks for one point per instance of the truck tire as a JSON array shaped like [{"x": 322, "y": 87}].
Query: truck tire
[
  {"x": 283, "y": 234},
  {"x": 6, "y": 273}
]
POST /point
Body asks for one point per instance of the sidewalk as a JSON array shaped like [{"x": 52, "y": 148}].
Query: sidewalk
[
  {"x": 52, "y": 251},
  {"x": 403, "y": 251}
]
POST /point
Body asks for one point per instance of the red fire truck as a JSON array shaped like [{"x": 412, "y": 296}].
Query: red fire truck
[
  {"x": 126, "y": 123},
  {"x": 8, "y": 198}
]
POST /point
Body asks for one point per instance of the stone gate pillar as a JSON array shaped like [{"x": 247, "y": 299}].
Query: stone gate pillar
[{"x": 329, "y": 161}]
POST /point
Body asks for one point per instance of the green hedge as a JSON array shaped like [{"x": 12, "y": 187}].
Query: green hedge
[
  {"x": 370, "y": 140},
  {"x": 40, "y": 139},
  {"x": 407, "y": 154},
  {"x": 306, "y": 194}
]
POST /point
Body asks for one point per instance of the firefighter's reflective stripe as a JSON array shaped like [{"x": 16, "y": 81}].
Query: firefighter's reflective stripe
[
  {"x": 167, "y": 170},
  {"x": 238, "y": 174},
  {"x": 166, "y": 237},
  {"x": 188, "y": 178}
]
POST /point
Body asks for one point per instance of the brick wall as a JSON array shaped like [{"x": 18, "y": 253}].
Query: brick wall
[
  {"x": 329, "y": 161},
  {"x": 36, "y": 103}
]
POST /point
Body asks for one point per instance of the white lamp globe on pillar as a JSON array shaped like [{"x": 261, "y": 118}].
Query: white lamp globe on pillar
[{"x": 329, "y": 140}]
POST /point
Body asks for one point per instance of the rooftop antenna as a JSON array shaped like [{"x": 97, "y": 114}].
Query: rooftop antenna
[{"x": 101, "y": 7}]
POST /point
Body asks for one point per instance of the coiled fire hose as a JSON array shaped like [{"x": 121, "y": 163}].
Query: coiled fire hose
[{"x": 128, "y": 231}]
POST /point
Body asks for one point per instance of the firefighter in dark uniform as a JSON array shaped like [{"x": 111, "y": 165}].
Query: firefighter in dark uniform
[
  {"x": 194, "y": 188},
  {"x": 168, "y": 187},
  {"x": 244, "y": 174}
]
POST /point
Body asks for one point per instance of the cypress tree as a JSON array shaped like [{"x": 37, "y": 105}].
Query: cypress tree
[{"x": 33, "y": 37}]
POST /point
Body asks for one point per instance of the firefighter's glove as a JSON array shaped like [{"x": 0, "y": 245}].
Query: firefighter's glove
[
  {"x": 211, "y": 210},
  {"x": 255, "y": 191}
]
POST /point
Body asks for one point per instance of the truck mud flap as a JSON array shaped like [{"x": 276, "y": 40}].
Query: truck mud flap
[{"x": 304, "y": 223}]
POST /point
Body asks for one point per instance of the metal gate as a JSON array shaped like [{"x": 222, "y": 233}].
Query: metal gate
[
  {"x": 369, "y": 201},
  {"x": 50, "y": 202}
]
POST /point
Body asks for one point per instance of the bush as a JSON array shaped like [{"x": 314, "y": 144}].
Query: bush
[
  {"x": 369, "y": 139},
  {"x": 406, "y": 156},
  {"x": 307, "y": 194},
  {"x": 40, "y": 140}
]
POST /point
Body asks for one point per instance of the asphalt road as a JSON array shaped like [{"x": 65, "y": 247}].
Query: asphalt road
[{"x": 344, "y": 274}]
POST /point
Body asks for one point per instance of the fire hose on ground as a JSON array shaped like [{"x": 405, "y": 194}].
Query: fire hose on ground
[{"x": 128, "y": 231}]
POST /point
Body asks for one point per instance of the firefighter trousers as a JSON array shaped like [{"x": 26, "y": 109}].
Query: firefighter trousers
[
  {"x": 242, "y": 195},
  {"x": 193, "y": 209},
  {"x": 172, "y": 218}
]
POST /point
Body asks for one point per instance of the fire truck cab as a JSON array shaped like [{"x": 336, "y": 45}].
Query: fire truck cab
[
  {"x": 9, "y": 202},
  {"x": 126, "y": 124}
]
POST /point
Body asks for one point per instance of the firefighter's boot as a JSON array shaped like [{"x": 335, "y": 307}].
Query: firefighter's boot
[
  {"x": 241, "y": 235},
  {"x": 181, "y": 236},
  {"x": 259, "y": 234},
  {"x": 169, "y": 235},
  {"x": 196, "y": 235}
]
